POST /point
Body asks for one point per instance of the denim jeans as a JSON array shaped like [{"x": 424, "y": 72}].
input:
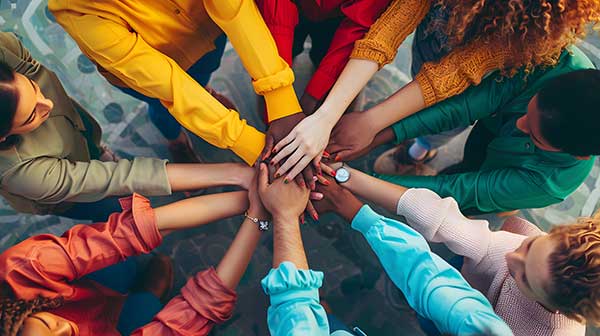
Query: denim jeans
[{"x": 200, "y": 71}]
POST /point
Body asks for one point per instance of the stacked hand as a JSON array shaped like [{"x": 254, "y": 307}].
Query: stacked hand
[
  {"x": 333, "y": 197},
  {"x": 282, "y": 200}
]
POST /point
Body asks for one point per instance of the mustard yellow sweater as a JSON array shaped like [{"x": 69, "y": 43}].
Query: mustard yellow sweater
[
  {"x": 453, "y": 74},
  {"x": 148, "y": 44}
]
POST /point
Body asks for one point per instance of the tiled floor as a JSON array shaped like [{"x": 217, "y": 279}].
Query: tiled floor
[{"x": 355, "y": 286}]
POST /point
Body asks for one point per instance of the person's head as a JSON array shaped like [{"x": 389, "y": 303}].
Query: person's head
[
  {"x": 535, "y": 31},
  {"x": 23, "y": 106},
  {"x": 561, "y": 270},
  {"x": 30, "y": 317},
  {"x": 565, "y": 114}
]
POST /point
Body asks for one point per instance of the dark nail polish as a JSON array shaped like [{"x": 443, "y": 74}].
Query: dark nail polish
[
  {"x": 286, "y": 181},
  {"x": 333, "y": 173}
]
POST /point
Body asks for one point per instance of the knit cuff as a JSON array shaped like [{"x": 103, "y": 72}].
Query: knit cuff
[
  {"x": 373, "y": 51},
  {"x": 423, "y": 211},
  {"x": 427, "y": 89}
]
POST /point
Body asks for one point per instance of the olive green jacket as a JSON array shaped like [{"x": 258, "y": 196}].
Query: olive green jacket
[
  {"x": 50, "y": 167},
  {"x": 515, "y": 174}
]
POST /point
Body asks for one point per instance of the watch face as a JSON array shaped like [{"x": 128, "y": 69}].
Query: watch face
[{"x": 342, "y": 175}]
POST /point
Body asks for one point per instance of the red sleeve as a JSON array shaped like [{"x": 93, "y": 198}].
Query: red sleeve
[
  {"x": 281, "y": 17},
  {"x": 46, "y": 264},
  {"x": 360, "y": 15},
  {"x": 203, "y": 302}
]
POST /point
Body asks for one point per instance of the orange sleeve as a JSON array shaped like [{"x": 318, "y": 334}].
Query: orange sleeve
[
  {"x": 382, "y": 41},
  {"x": 46, "y": 264},
  {"x": 458, "y": 70}
]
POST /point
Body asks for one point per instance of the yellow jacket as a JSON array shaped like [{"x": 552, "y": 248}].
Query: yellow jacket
[{"x": 148, "y": 44}]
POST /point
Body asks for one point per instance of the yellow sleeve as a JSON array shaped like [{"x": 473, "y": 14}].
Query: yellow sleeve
[
  {"x": 252, "y": 40},
  {"x": 382, "y": 41},
  {"x": 460, "y": 69},
  {"x": 126, "y": 55}
]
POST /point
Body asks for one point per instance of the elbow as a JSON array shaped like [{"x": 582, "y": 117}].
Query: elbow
[{"x": 223, "y": 10}]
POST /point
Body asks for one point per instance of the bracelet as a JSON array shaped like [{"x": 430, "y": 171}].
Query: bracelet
[{"x": 263, "y": 224}]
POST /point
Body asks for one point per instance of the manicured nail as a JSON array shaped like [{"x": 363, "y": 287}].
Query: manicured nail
[
  {"x": 301, "y": 219},
  {"x": 332, "y": 173},
  {"x": 315, "y": 216},
  {"x": 274, "y": 151},
  {"x": 326, "y": 153},
  {"x": 315, "y": 178},
  {"x": 277, "y": 175},
  {"x": 325, "y": 182},
  {"x": 337, "y": 158}
]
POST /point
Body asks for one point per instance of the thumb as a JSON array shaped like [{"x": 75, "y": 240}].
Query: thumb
[{"x": 263, "y": 177}]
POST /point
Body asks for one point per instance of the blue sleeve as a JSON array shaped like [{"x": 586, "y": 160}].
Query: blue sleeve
[
  {"x": 432, "y": 287},
  {"x": 295, "y": 307}
]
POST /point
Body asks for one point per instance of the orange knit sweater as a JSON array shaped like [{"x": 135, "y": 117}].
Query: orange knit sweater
[{"x": 452, "y": 75}]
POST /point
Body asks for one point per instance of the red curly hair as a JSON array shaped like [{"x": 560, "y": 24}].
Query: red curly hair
[
  {"x": 574, "y": 286},
  {"x": 537, "y": 30}
]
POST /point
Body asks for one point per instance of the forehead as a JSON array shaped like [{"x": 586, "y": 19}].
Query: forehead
[
  {"x": 27, "y": 99},
  {"x": 537, "y": 266}
]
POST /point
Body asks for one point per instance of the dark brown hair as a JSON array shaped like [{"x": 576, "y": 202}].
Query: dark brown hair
[{"x": 9, "y": 100}]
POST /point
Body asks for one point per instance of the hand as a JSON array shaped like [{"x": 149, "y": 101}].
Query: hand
[
  {"x": 308, "y": 103},
  {"x": 305, "y": 144},
  {"x": 282, "y": 200},
  {"x": 352, "y": 135},
  {"x": 256, "y": 208},
  {"x": 330, "y": 196},
  {"x": 279, "y": 129}
]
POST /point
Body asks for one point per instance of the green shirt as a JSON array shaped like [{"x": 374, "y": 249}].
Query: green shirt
[
  {"x": 515, "y": 174},
  {"x": 53, "y": 166}
]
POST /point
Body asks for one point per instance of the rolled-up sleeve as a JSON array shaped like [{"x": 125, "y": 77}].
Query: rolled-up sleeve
[
  {"x": 51, "y": 180},
  {"x": 204, "y": 301},
  {"x": 295, "y": 308}
]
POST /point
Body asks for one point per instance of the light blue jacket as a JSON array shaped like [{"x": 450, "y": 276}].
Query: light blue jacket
[{"x": 433, "y": 288}]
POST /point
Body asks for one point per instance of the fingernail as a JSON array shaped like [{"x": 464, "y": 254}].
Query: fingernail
[
  {"x": 325, "y": 182},
  {"x": 277, "y": 175},
  {"x": 274, "y": 151},
  {"x": 302, "y": 220},
  {"x": 315, "y": 217},
  {"x": 337, "y": 158},
  {"x": 326, "y": 153},
  {"x": 286, "y": 181},
  {"x": 315, "y": 178},
  {"x": 333, "y": 173}
]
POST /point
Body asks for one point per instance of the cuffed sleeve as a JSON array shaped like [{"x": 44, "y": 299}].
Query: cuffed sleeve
[
  {"x": 432, "y": 287},
  {"x": 461, "y": 68},
  {"x": 249, "y": 35},
  {"x": 46, "y": 264},
  {"x": 51, "y": 180},
  {"x": 204, "y": 301},
  {"x": 125, "y": 54},
  {"x": 382, "y": 41},
  {"x": 294, "y": 295}
]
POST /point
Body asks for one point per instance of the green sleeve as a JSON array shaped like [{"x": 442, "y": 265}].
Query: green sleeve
[
  {"x": 486, "y": 191},
  {"x": 463, "y": 110},
  {"x": 52, "y": 181}
]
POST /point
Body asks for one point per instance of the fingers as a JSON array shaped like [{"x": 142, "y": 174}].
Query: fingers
[
  {"x": 315, "y": 196},
  {"x": 309, "y": 177},
  {"x": 299, "y": 181},
  {"x": 323, "y": 180},
  {"x": 283, "y": 142},
  {"x": 268, "y": 147},
  {"x": 335, "y": 148},
  {"x": 263, "y": 177},
  {"x": 300, "y": 165},
  {"x": 286, "y": 151},
  {"x": 290, "y": 162},
  {"x": 311, "y": 211},
  {"x": 316, "y": 163},
  {"x": 327, "y": 170}
]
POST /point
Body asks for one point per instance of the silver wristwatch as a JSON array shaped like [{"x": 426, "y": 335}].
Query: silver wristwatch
[
  {"x": 263, "y": 224},
  {"x": 342, "y": 174}
]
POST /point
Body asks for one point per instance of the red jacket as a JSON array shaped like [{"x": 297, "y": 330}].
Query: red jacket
[
  {"x": 53, "y": 266},
  {"x": 281, "y": 16}
]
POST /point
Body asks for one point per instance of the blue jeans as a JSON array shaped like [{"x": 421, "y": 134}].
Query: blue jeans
[
  {"x": 139, "y": 308},
  {"x": 200, "y": 71}
]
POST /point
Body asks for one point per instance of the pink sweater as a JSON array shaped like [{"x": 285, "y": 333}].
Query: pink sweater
[{"x": 440, "y": 220}]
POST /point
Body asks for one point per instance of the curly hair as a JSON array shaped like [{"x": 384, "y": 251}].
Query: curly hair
[
  {"x": 574, "y": 286},
  {"x": 13, "y": 312},
  {"x": 537, "y": 30}
]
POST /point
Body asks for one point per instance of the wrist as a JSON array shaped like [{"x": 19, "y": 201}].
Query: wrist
[
  {"x": 329, "y": 114},
  {"x": 348, "y": 206},
  {"x": 283, "y": 216},
  {"x": 370, "y": 122}
]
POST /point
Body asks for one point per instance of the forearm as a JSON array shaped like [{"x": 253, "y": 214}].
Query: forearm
[
  {"x": 402, "y": 104},
  {"x": 351, "y": 81},
  {"x": 380, "y": 192},
  {"x": 287, "y": 243},
  {"x": 199, "y": 176},
  {"x": 200, "y": 210},
  {"x": 236, "y": 259}
]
